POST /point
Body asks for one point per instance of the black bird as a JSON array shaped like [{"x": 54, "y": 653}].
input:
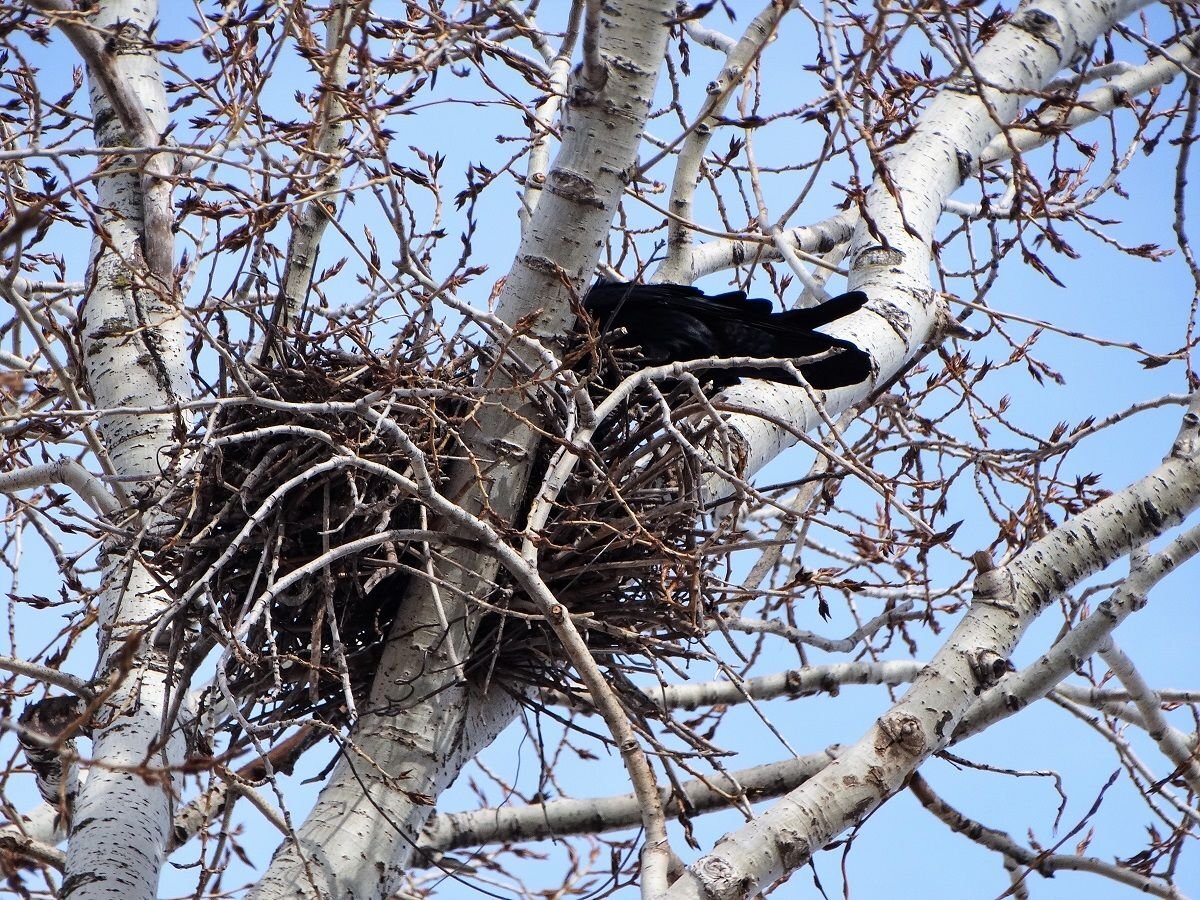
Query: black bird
[{"x": 677, "y": 323}]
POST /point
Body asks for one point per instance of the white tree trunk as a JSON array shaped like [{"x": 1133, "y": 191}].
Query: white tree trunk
[
  {"x": 133, "y": 343},
  {"x": 425, "y": 721},
  {"x": 902, "y": 209},
  {"x": 1007, "y": 600}
]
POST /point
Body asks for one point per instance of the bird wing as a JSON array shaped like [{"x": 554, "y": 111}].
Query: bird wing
[
  {"x": 679, "y": 322},
  {"x": 829, "y": 311},
  {"x": 606, "y": 296}
]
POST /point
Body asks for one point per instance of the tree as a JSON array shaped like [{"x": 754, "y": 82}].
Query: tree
[{"x": 335, "y": 497}]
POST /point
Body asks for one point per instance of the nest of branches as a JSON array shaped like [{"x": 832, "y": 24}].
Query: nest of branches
[
  {"x": 625, "y": 552},
  {"x": 294, "y": 517},
  {"x": 303, "y": 541}
]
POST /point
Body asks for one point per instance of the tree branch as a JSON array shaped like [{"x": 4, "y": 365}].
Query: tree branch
[
  {"x": 557, "y": 818},
  {"x": 1006, "y": 601}
]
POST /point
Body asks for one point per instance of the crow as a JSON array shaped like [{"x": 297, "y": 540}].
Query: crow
[{"x": 677, "y": 323}]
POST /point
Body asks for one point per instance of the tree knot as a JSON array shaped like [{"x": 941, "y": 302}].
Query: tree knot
[
  {"x": 902, "y": 731},
  {"x": 989, "y": 667}
]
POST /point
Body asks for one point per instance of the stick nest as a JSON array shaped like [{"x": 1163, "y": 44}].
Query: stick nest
[{"x": 281, "y": 530}]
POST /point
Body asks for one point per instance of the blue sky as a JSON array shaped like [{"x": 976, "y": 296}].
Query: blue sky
[{"x": 901, "y": 851}]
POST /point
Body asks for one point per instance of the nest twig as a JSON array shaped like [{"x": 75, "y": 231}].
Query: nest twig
[{"x": 621, "y": 551}]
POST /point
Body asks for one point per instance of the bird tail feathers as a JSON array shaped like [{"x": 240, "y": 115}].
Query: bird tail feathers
[{"x": 829, "y": 311}]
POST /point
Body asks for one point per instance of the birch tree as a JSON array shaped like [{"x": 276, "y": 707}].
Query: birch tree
[{"x": 345, "y": 560}]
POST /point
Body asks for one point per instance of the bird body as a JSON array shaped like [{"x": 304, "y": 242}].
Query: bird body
[{"x": 679, "y": 323}]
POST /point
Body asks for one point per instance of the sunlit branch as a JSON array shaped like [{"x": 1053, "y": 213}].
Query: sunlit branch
[{"x": 555, "y": 818}]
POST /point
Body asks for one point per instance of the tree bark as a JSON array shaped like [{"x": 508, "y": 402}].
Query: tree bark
[
  {"x": 412, "y": 743},
  {"x": 133, "y": 343}
]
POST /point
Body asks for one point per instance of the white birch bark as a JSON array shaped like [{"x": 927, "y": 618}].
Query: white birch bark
[
  {"x": 425, "y": 722},
  {"x": 133, "y": 345},
  {"x": 132, "y": 332},
  {"x": 123, "y": 816},
  {"x": 1007, "y": 600},
  {"x": 740, "y": 55},
  {"x": 596, "y": 815},
  {"x": 902, "y": 210}
]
